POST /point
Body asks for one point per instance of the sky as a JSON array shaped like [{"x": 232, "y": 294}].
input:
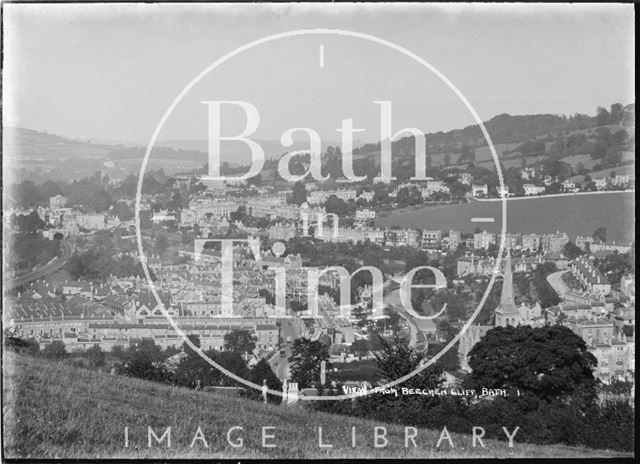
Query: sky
[{"x": 111, "y": 71}]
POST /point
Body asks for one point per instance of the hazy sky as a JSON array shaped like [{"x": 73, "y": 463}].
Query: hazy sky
[{"x": 110, "y": 71}]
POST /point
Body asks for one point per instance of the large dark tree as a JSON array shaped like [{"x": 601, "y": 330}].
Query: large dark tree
[
  {"x": 261, "y": 372},
  {"x": 544, "y": 292},
  {"x": 100, "y": 200},
  {"x": 27, "y": 194},
  {"x": 616, "y": 114},
  {"x": 193, "y": 369},
  {"x": 603, "y": 117},
  {"x": 123, "y": 211},
  {"x": 177, "y": 201},
  {"x": 193, "y": 338},
  {"x": 49, "y": 189},
  {"x": 337, "y": 206},
  {"x": 299, "y": 193},
  {"x": 305, "y": 359},
  {"x": 96, "y": 356},
  {"x": 55, "y": 350},
  {"x": 239, "y": 215},
  {"x": 144, "y": 361},
  {"x": 29, "y": 223},
  {"x": 571, "y": 251},
  {"x": 255, "y": 180},
  {"x": 600, "y": 234},
  {"x": 234, "y": 363},
  {"x": 239, "y": 341},
  {"x": 547, "y": 363},
  {"x": 615, "y": 265},
  {"x": 395, "y": 359},
  {"x": 28, "y": 346}
]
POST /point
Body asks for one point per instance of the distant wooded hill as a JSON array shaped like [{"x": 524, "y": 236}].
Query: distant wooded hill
[
  {"x": 506, "y": 129},
  {"x": 41, "y": 156}
]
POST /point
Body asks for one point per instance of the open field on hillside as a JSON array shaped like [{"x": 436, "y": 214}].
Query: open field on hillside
[
  {"x": 575, "y": 215},
  {"x": 52, "y": 410},
  {"x": 628, "y": 169},
  {"x": 484, "y": 153},
  {"x": 584, "y": 158}
]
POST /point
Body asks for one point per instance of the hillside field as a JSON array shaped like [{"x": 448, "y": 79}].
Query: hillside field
[
  {"x": 575, "y": 215},
  {"x": 54, "y": 410},
  {"x": 628, "y": 169}
]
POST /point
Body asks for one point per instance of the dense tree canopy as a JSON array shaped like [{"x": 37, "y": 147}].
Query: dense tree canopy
[
  {"x": 600, "y": 234},
  {"x": 261, "y": 372},
  {"x": 299, "y": 193},
  {"x": 548, "y": 362},
  {"x": 239, "y": 341},
  {"x": 55, "y": 350},
  {"x": 338, "y": 206},
  {"x": 305, "y": 359},
  {"x": 28, "y": 250},
  {"x": 28, "y": 223}
]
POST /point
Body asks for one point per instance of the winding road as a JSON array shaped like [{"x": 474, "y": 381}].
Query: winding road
[
  {"x": 558, "y": 285},
  {"x": 67, "y": 252},
  {"x": 417, "y": 337}
]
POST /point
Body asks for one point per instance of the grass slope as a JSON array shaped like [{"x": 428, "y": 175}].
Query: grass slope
[
  {"x": 53, "y": 410},
  {"x": 26, "y": 143},
  {"x": 575, "y": 215}
]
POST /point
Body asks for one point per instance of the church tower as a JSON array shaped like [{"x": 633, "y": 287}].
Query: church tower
[{"x": 507, "y": 312}]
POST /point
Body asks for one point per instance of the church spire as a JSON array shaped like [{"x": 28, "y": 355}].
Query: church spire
[{"x": 506, "y": 298}]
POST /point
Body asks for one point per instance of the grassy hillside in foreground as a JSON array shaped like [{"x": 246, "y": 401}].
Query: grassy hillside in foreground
[{"x": 52, "y": 410}]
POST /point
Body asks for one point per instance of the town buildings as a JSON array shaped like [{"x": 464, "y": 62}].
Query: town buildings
[
  {"x": 528, "y": 173},
  {"x": 531, "y": 189},
  {"x": 628, "y": 286},
  {"x": 608, "y": 248},
  {"x": 590, "y": 277},
  {"x": 364, "y": 214},
  {"x": 162, "y": 216},
  {"x": 282, "y": 231},
  {"x": 506, "y": 314},
  {"x": 483, "y": 239},
  {"x": 511, "y": 241},
  {"x": 554, "y": 242},
  {"x": 96, "y": 221},
  {"x": 531, "y": 242},
  {"x": 503, "y": 191},
  {"x": 466, "y": 178},
  {"x": 366, "y": 196},
  {"x": 318, "y": 197},
  {"x": 57, "y": 202},
  {"x": 121, "y": 314},
  {"x": 434, "y": 186},
  {"x": 620, "y": 180},
  {"x": 205, "y": 208},
  {"x": 476, "y": 266},
  {"x": 401, "y": 237},
  {"x": 431, "y": 239},
  {"x": 479, "y": 191},
  {"x": 583, "y": 242},
  {"x": 600, "y": 183},
  {"x": 455, "y": 238}
]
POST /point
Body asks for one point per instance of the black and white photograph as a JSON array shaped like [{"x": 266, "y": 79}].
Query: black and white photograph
[{"x": 267, "y": 231}]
